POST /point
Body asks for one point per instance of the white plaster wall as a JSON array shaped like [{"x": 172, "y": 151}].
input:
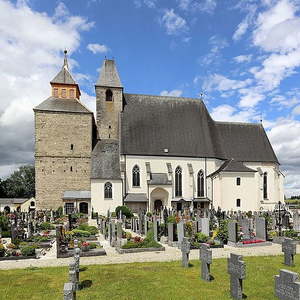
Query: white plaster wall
[{"x": 98, "y": 202}]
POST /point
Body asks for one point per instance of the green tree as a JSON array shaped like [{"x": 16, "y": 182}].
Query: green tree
[
  {"x": 3, "y": 193},
  {"x": 21, "y": 184}
]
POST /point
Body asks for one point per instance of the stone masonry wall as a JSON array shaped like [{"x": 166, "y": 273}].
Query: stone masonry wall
[{"x": 58, "y": 167}]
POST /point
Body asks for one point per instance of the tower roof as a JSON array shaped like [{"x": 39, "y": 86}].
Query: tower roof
[
  {"x": 109, "y": 75},
  {"x": 64, "y": 76}
]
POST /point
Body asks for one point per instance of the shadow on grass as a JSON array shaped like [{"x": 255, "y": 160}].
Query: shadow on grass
[
  {"x": 191, "y": 265},
  {"x": 85, "y": 284},
  {"x": 211, "y": 278},
  {"x": 244, "y": 296},
  {"x": 83, "y": 269}
]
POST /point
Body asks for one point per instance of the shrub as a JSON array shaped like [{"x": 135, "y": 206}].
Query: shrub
[
  {"x": 4, "y": 224},
  {"x": 2, "y": 250},
  {"x": 125, "y": 211},
  {"x": 60, "y": 211},
  {"x": 28, "y": 250},
  {"x": 171, "y": 219},
  {"x": 11, "y": 246},
  {"x": 80, "y": 233},
  {"x": 222, "y": 234},
  {"x": 6, "y": 234},
  {"x": 91, "y": 229},
  {"x": 291, "y": 233},
  {"x": 46, "y": 226},
  {"x": 201, "y": 237}
]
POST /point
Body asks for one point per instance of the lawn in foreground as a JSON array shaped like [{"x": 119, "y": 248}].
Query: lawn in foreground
[{"x": 165, "y": 280}]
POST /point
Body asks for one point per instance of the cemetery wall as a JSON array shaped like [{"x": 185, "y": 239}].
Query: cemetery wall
[
  {"x": 58, "y": 165},
  {"x": 100, "y": 204}
]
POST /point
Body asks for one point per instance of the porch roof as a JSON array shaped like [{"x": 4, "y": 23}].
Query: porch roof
[
  {"x": 136, "y": 197},
  {"x": 71, "y": 195}
]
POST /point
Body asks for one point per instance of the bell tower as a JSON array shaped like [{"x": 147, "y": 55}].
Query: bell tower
[{"x": 109, "y": 101}]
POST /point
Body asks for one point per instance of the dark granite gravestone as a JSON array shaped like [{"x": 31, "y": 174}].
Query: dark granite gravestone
[
  {"x": 261, "y": 228},
  {"x": 232, "y": 232},
  {"x": 245, "y": 224},
  {"x": 237, "y": 271},
  {"x": 287, "y": 286},
  {"x": 69, "y": 291},
  {"x": 206, "y": 260},
  {"x": 289, "y": 250},
  {"x": 170, "y": 234},
  {"x": 185, "y": 250}
]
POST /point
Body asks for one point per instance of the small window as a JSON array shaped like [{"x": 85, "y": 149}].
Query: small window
[
  {"x": 72, "y": 147},
  {"x": 63, "y": 93},
  {"x": 178, "y": 182},
  {"x": 136, "y": 176},
  {"x": 265, "y": 185},
  {"x": 200, "y": 184},
  {"x": 238, "y": 181},
  {"x": 32, "y": 203},
  {"x": 238, "y": 202},
  {"x": 55, "y": 92},
  {"x": 71, "y": 169},
  {"x": 69, "y": 208},
  {"x": 108, "y": 95},
  {"x": 71, "y": 93},
  {"x": 108, "y": 190}
]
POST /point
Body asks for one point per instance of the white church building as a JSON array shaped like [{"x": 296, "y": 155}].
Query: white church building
[{"x": 161, "y": 151}]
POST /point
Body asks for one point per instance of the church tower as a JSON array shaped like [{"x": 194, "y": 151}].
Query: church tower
[{"x": 109, "y": 101}]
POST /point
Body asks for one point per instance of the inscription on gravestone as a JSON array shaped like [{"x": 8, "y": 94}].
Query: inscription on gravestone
[
  {"x": 289, "y": 250},
  {"x": 206, "y": 260},
  {"x": 237, "y": 271},
  {"x": 287, "y": 286}
]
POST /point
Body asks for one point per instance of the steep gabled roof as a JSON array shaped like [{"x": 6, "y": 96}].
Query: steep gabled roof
[
  {"x": 109, "y": 75},
  {"x": 62, "y": 105}
]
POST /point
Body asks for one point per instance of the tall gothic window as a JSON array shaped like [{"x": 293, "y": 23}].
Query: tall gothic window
[
  {"x": 200, "y": 184},
  {"x": 136, "y": 176},
  {"x": 108, "y": 95},
  {"x": 108, "y": 190},
  {"x": 265, "y": 185},
  {"x": 178, "y": 182}
]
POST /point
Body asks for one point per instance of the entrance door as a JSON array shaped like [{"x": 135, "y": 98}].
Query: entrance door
[
  {"x": 83, "y": 207},
  {"x": 179, "y": 206},
  {"x": 158, "y": 205}
]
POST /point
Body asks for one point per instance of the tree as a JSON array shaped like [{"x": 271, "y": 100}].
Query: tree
[
  {"x": 3, "y": 189},
  {"x": 21, "y": 184}
]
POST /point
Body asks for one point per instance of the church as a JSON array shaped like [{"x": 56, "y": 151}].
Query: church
[{"x": 146, "y": 152}]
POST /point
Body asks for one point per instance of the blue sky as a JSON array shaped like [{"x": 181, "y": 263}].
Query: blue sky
[{"x": 244, "y": 56}]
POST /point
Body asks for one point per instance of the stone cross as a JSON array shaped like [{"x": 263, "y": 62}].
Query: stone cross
[
  {"x": 77, "y": 262},
  {"x": 287, "y": 286},
  {"x": 289, "y": 250},
  {"x": 237, "y": 271},
  {"x": 69, "y": 291},
  {"x": 185, "y": 250},
  {"x": 206, "y": 260},
  {"x": 73, "y": 275}
]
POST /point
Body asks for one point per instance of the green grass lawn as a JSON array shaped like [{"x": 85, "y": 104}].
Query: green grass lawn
[{"x": 167, "y": 280}]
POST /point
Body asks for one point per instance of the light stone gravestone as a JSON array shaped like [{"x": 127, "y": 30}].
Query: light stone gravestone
[
  {"x": 245, "y": 229},
  {"x": 206, "y": 260},
  {"x": 204, "y": 226},
  {"x": 73, "y": 275},
  {"x": 287, "y": 286},
  {"x": 237, "y": 271},
  {"x": 261, "y": 228},
  {"x": 232, "y": 232},
  {"x": 119, "y": 234},
  {"x": 180, "y": 233},
  {"x": 77, "y": 262},
  {"x": 170, "y": 234},
  {"x": 69, "y": 291},
  {"x": 289, "y": 250},
  {"x": 296, "y": 221},
  {"x": 155, "y": 229},
  {"x": 113, "y": 234},
  {"x": 185, "y": 250}
]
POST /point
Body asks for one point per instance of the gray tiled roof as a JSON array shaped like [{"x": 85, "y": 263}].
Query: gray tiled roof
[
  {"x": 109, "y": 75},
  {"x": 136, "y": 197},
  {"x": 106, "y": 160},
  {"x": 63, "y": 76},
  {"x": 77, "y": 195},
  {"x": 62, "y": 105},
  {"x": 159, "y": 179},
  {"x": 13, "y": 200},
  {"x": 150, "y": 124},
  {"x": 232, "y": 165}
]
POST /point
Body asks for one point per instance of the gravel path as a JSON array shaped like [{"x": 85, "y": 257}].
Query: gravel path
[{"x": 113, "y": 257}]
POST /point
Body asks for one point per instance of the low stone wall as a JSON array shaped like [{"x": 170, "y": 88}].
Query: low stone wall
[{"x": 136, "y": 250}]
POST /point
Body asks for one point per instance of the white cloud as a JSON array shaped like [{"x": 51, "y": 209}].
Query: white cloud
[
  {"x": 248, "y": 20},
  {"x": 243, "y": 58},
  {"x": 97, "y": 48},
  {"x": 173, "y": 93},
  {"x": 250, "y": 97},
  {"x": 148, "y": 3},
  {"x": 296, "y": 110},
  {"x": 173, "y": 23},
  {"x": 36, "y": 59},
  {"x": 206, "y": 6}
]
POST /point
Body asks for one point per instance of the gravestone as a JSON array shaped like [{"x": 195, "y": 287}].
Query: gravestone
[
  {"x": 170, "y": 234},
  {"x": 185, "y": 250},
  {"x": 204, "y": 224},
  {"x": 287, "y": 286},
  {"x": 206, "y": 260},
  {"x": 77, "y": 262},
  {"x": 232, "y": 232},
  {"x": 296, "y": 221},
  {"x": 155, "y": 229},
  {"x": 146, "y": 227},
  {"x": 119, "y": 234},
  {"x": 73, "y": 275},
  {"x": 245, "y": 224},
  {"x": 113, "y": 234},
  {"x": 69, "y": 291},
  {"x": 261, "y": 228},
  {"x": 289, "y": 250},
  {"x": 180, "y": 233},
  {"x": 237, "y": 271}
]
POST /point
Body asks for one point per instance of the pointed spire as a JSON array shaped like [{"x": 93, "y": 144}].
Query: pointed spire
[
  {"x": 64, "y": 76},
  {"x": 109, "y": 75}
]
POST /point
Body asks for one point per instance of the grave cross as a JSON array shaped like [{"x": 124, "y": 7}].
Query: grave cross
[
  {"x": 69, "y": 291},
  {"x": 237, "y": 271},
  {"x": 185, "y": 250},
  {"x": 73, "y": 275},
  {"x": 289, "y": 250},
  {"x": 287, "y": 286},
  {"x": 206, "y": 260}
]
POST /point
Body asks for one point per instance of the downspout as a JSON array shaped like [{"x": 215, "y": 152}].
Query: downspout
[{"x": 205, "y": 177}]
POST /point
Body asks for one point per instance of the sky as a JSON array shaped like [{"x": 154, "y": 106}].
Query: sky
[{"x": 241, "y": 57}]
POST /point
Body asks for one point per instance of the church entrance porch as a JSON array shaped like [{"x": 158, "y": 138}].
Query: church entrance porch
[
  {"x": 84, "y": 207},
  {"x": 158, "y": 199}
]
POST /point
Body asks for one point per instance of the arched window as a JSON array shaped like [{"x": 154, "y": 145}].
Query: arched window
[
  {"x": 200, "y": 184},
  {"x": 108, "y": 190},
  {"x": 178, "y": 182},
  {"x": 136, "y": 176},
  {"x": 265, "y": 185},
  {"x": 108, "y": 95},
  {"x": 32, "y": 203}
]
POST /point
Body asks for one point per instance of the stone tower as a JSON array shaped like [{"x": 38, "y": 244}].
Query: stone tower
[
  {"x": 109, "y": 101},
  {"x": 63, "y": 142}
]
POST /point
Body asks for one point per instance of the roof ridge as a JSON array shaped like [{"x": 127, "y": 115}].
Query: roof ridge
[
  {"x": 166, "y": 97},
  {"x": 238, "y": 123}
]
